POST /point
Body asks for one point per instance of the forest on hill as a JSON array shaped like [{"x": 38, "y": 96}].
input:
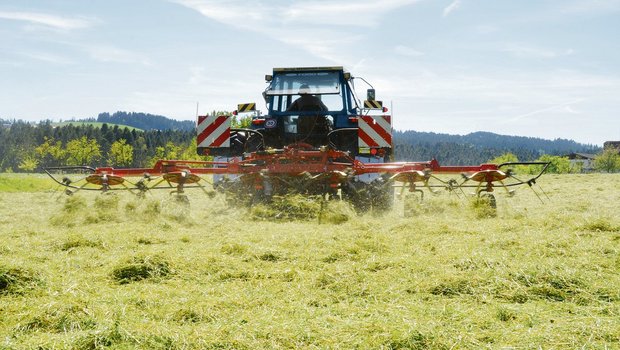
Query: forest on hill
[
  {"x": 146, "y": 121},
  {"x": 479, "y": 147},
  {"x": 32, "y": 146}
]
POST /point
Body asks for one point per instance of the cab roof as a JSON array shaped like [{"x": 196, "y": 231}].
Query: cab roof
[{"x": 309, "y": 69}]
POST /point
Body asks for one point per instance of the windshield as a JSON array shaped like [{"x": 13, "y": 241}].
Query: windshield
[{"x": 319, "y": 83}]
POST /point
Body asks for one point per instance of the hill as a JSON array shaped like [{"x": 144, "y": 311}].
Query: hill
[
  {"x": 479, "y": 147},
  {"x": 146, "y": 121},
  {"x": 94, "y": 124}
]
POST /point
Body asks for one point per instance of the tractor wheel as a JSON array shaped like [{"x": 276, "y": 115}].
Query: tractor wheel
[{"x": 357, "y": 194}]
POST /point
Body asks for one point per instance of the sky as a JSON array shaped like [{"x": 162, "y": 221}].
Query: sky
[{"x": 537, "y": 68}]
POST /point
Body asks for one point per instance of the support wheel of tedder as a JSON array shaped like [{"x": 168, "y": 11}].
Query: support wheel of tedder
[
  {"x": 377, "y": 196},
  {"x": 182, "y": 199},
  {"x": 488, "y": 198}
]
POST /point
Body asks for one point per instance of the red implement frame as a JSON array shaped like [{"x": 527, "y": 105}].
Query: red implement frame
[{"x": 296, "y": 160}]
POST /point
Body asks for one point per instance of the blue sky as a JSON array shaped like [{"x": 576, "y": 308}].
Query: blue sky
[{"x": 537, "y": 68}]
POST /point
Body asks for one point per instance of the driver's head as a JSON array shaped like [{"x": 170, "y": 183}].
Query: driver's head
[{"x": 304, "y": 89}]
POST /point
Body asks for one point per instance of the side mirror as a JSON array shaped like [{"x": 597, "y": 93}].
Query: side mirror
[{"x": 370, "y": 94}]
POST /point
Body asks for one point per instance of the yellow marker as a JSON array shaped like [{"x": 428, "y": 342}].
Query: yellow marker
[
  {"x": 246, "y": 107},
  {"x": 373, "y": 104}
]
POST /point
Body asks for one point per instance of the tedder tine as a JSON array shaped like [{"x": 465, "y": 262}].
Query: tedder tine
[
  {"x": 209, "y": 194},
  {"x": 530, "y": 183}
]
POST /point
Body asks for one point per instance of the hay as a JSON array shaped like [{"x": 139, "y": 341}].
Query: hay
[
  {"x": 288, "y": 207},
  {"x": 337, "y": 212},
  {"x": 303, "y": 208},
  {"x": 17, "y": 281},
  {"x": 74, "y": 204},
  {"x": 141, "y": 268},
  {"x": 483, "y": 207},
  {"x": 76, "y": 241}
]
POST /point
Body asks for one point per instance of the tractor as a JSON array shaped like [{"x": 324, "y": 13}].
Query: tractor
[
  {"x": 332, "y": 118},
  {"x": 318, "y": 138}
]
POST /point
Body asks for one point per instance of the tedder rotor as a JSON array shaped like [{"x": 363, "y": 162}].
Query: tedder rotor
[{"x": 317, "y": 138}]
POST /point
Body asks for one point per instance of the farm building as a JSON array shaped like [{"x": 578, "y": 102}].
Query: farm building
[
  {"x": 583, "y": 161},
  {"x": 612, "y": 144}
]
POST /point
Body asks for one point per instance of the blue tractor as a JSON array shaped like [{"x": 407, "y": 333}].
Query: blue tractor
[
  {"x": 309, "y": 109},
  {"x": 313, "y": 107}
]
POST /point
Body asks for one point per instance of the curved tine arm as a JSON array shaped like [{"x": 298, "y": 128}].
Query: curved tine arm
[
  {"x": 69, "y": 183},
  {"x": 125, "y": 187},
  {"x": 531, "y": 180},
  {"x": 198, "y": 184},
  {"x": 140, "y": 186},
  {"x": 154, "y": 186},
  {"x": 70, "y": 167},
  {"x": 443, "y": 184},
  {"x": 542, "y": 171}
]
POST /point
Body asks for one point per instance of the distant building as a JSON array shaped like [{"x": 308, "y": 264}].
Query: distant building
[
  {"x": 6, "y": 125},
  {"x": 583, "y": 161},
  {"x": 612, "y": 144}
]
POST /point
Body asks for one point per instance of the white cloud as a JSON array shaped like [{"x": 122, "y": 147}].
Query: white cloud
[
  {"x": 234, "y": 13},
  {"x": 324, "y": 29},
  {"x": 408, "y": 51},
  {"x": 451, "y": 8},
  {"x": 343, "y": 13},
  {"x": 327, "y": 44},
  {"x": 566, "y": 107},
  {"x": 486, "y": 29},
  {"x": 48, "y": 57},
  {"x": 547, "y": 104},
  {"x": 265, "y": 14},
  {"x": 106, "y": 53},
  {"x": 48, "y": 20},
  {"x": 528, "y": 51},
  {"x": 591, "y": 6},
  {"x": 570, "y": 109}
]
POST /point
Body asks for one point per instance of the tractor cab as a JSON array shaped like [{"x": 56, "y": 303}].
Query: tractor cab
[{"x": 308, "y": 105}]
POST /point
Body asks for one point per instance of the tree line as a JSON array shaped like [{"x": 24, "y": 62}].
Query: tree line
[
  {"x": 479, "y": 147},
  {"x": 145, "y": 121},
  {"x": 33, "y": 146},
  {"x": 486, "y": 147}
]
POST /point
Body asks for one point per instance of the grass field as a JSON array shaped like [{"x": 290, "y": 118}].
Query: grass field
[{"x": 98, "y": 271}]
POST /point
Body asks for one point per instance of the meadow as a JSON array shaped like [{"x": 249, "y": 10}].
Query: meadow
[{"x": 94, "y": 271}]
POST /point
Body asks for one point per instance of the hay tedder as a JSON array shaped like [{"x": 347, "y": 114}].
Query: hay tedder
[{"x": 317, "y": 138}]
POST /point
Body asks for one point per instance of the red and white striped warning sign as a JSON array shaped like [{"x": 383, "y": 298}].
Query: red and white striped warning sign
[
  {"x": 213, "y": 131},
  {"x": 374, "y": 131}
]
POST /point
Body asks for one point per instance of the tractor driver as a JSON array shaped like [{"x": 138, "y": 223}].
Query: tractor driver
[
  {"x": 314, "y": 128},
  {"x": 307, "y": 102}
]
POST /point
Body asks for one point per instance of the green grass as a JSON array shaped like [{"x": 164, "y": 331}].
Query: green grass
[
  {"x": 96, "y": 125},
  {"x": 98, "y": 271},
  {"x": 25, "y": 183}
]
